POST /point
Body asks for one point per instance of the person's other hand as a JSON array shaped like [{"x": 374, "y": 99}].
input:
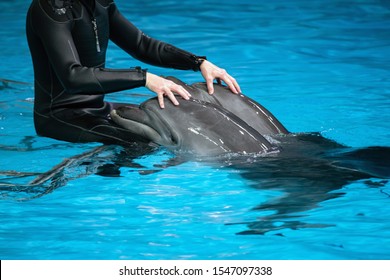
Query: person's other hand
[
  {"x": 163, "y": 87},
  {"x": 210, "y": 72}
]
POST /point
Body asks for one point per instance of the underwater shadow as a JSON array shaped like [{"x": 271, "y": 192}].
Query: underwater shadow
[
  {"x": 309, "y": 170},
  {"x": 105, "y": 160}
]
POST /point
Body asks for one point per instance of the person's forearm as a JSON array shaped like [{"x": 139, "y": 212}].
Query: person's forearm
[{"x": 82, "y": 80}]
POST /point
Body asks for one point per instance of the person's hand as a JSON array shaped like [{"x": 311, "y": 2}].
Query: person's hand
[
  {"x": 163, "y": 87},
  {"x": 210, "y": 72}
]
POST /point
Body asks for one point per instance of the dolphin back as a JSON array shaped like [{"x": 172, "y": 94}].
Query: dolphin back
[{"x": 247, "y": 109}]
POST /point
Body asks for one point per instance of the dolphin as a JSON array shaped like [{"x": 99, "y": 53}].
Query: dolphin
[{"x": 204, "y": 125}]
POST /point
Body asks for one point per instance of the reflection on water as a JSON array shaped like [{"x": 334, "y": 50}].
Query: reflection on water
[
  {"x": 309, "y": 170},
  {"x": 102, "y": 160}
]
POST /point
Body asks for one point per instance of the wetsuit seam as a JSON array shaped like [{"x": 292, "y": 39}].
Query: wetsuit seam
[
  {"x": 109, "y": 5},
  {"x": 97, "y": 80},
  {"x": 99, "y": 65},
  {"x": 82, "y": 129},
  {"x": 99, "y": 125},
  {"x": 50, "y": 94},
  {"x": 51, "y": 91},
  {"x": 59, "y": 95},
  {"x": 42, "y": 87},
  {"x": 93, "y": 132},
  {"x": 105, "y": 7},
  {"x": 41, "y": 115},
  {"x": 81, "y": 13},
  {"x": 106, "y": 135},
  {"x": 73, "y": 53}
]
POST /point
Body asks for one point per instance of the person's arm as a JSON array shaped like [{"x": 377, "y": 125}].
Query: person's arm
[
  {"x": 56, "y": 38},
  {"x": 146, "y": 49},
  {"x": 155, "y": 52}
]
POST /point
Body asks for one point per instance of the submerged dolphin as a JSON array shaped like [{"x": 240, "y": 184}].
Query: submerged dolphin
[{"x": 205, "y": 124}]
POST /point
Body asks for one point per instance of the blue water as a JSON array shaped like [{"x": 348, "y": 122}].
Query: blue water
[{"x": 319, "y": 66}]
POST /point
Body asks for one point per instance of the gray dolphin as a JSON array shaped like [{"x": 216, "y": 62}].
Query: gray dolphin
[{"x": 205, "y": 125}]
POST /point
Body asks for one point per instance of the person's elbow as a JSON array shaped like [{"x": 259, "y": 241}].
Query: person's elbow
[{"x": 81, "y": 80}]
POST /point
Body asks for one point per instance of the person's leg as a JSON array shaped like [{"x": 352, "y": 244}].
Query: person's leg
[{"x": 76, "y": 125}]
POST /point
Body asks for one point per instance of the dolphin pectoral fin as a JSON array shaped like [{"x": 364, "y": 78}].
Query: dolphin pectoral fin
[{"x": 135, "y": 120}]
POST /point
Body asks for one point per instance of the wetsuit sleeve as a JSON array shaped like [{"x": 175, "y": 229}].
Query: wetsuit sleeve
[
  {"x": 144, "y": 48},
  {"x": 60, "y": 49}
]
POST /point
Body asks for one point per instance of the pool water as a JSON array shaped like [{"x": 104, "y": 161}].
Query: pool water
[{"x": 319, "y": 66}]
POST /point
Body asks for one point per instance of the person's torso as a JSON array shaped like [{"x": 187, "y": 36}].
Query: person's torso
[{"x": 90, "y": 34}]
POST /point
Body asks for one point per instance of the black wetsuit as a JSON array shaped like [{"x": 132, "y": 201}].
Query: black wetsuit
[{"x": 68, "y": 40}]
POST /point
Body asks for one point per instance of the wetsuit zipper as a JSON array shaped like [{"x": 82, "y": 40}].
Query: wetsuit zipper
[
  {"x": 94, "y": 24},
  {"x": 95, "y": 29}
]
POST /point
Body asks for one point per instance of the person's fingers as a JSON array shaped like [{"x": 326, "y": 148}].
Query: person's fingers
[
  {"x": 210, "y": 85},
  {"x": 231, "y": 83},
  {"x": 160, "y": 98},
  {"x": 237, "y": 86},
  {"x": 234, "y": 85},
  {"x": 181, "y": 91},
  {"x": 171, "y": 96}
]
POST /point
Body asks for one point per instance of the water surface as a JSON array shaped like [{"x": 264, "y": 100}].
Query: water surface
[{"x": 319, "y": 66}]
